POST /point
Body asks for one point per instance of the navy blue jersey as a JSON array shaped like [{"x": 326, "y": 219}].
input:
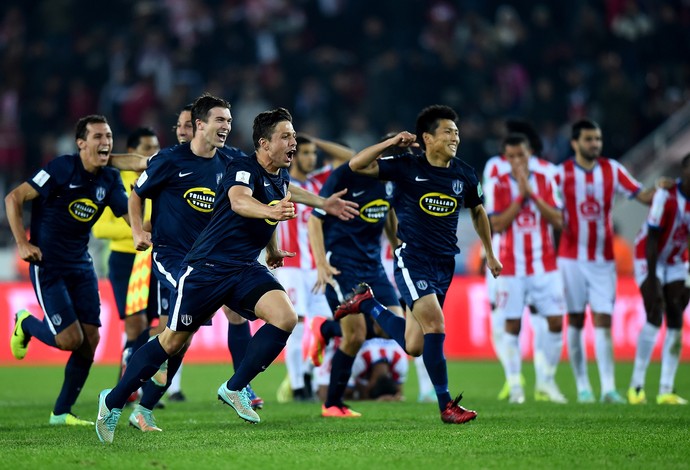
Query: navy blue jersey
[
  {"x": 70, "y": 201},
  {"x": 231, "y": 238},
  {"x": 428, "y": 200},
  {"x": 357, "y": 240},
  {"x": 182, "y": 188}
]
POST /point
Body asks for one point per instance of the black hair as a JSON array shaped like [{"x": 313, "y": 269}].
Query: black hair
[
  {"x": 582, "y": 124},
  {"x": 303, "y": 140},
  {"x": 514, "y": 138},
  {"x": 266, "y": 122},
  {"x": 428, "y": 119},
  {"x": 203, "y": 105},
  {"x": 385, "y": 385},
  {"x": 80, "y": 130},
  {"x": 527, "y": 129},
  {"x": 134, "y": 138}
]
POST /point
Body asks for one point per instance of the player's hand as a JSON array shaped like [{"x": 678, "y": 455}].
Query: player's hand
[
  {"x": 340, "y": 208},
  {"x": 29, "y": 252},
  {"x": 324, "y": 276},
  {"x": 494, "y": 266},
  {"x": 405, "y": 139},
  {"x": 274, "y": 258},
  {"x": 142, "y": 240},
  {"x": 284, "y": 210},
  {"x": 664, "y": 182},
  {"x": 522, "y": 177}
]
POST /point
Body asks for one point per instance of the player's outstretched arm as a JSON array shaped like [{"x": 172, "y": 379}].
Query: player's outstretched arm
[
  {"x": 128, "y": 161},
  {"x": 365, "y": 161},
  {"x": 244, "y": 204},
  {"x": 333, "y": 205}
]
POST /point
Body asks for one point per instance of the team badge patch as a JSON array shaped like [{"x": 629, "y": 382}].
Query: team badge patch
[
  {"x": 422, "y": 285},
  {"x": 56, "y": 320},
  {"x": 100, "y": 193},
  {"x": 457, "y": 186},
  {"x": 389, "y": 188},
  {"x": 219, "y": 176},
  {"x": 186, "y": 319}
]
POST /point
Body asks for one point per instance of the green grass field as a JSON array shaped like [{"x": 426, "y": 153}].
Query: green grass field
[{"x": 202, "y": 433}]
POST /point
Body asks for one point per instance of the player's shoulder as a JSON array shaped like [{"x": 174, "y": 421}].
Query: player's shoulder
[{"x": 463, "y": 168}]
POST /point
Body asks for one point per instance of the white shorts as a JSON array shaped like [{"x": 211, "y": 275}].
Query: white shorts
[
  {"x": 543, "y": 291},
  {"x": 589, "y": 282},
  {"x": 298, "y": 283},
  {"x": 666, "y": 273}
]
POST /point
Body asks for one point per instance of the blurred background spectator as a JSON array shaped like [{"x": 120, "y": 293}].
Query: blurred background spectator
[{"x": 350, "y": 70}]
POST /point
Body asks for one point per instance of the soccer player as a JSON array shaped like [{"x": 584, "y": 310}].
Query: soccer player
[
  {"x": 222, "y": 266},
  {"x": 68, "y": 196},
  {"x": 431, "y": 189},
  {"x": 141, "y": 141},
  {"x": 379, "y": 371},
  {"x": 661, "y": 268},
  {"x": 347, "y": 253},
  {"x": 524, "y": 208},
  {"x": 588, "y": 183},
  {"x": 299, "y": 274},
  {"x": 497, "y": 166}
]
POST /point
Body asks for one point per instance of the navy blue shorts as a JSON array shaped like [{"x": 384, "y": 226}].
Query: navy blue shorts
[
  {"x": 350, "y": 276},
  {"x": 166, "y": 267},
  {"x": 119, "y": 270},
  {"x": 66, "y": 295},
  {"x": 418, "y": 275},
  {"x": 202, "y": 290},
  {"x": 159, "y": 299}
]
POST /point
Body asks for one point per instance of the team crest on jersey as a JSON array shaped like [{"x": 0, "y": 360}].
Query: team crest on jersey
[
  {"x": 100, "y": 193},
  {"x": 374, "y": 211},
  {"x": 438, "y": 204},
  {"x": 56, "y": 320},
  {"x": 200, "y": 199},
  {"x": 186, "y": 319},
  {"x": 590, "y": 209},
  {"x": 219, "y": 176},
  {"x": 457, "y": 187},
  {"x": 390, "y": 187},
  {"x": 271, "y": 221},
  {"x": 422, "y": 285},
  {"x": 83, "y": 209}
]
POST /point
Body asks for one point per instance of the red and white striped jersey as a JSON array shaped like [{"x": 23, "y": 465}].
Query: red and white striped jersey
[
  {"x": 589, "y": 195},
  {"x": 670, "y": 214},
  {"x": 526, "y": 247},
  {"x": 293, "y": 234},
  {"x": 377, "y": 350},
  {"x": 322, "y": 174}
]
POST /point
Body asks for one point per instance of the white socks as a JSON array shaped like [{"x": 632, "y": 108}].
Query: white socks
[
  {"x": 578, "y": 358},
  {"x": 513, "y": 359},
  {"x": 425, "y": 385},
  {"x": 294, "y": 361},
  {"x": 498, "y": 328},
  {"x": 540, "y": 327},
  {"x": 669, "y": 360},
  {"x": 645, "y": 346},
  {"x": 553, "y": 347},
  {"x": 603, "y": 347}
]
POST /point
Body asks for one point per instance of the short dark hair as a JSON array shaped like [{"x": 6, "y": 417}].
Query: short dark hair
[
  {"x": 521, "y": 126},
  {"x": 514, "y": 138},
  {"x": 203, "y": 105},
  {"x": 582, "y": 124},
  {"x": 303, "y": 140},
  {"x": 266, "y": 122},
  {"x": 80, "y": 129},
  {"x": 134, "y": 138},
  {"x": 428, "y": 119},
  {"x": 385, "y": 385}
]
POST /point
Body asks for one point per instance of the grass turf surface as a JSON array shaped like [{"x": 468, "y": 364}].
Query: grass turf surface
[{"x": 202, "y": 433}]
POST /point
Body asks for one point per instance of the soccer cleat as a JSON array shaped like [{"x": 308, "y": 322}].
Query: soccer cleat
[
  {"x": 339, "y": 411},
  {"x": 239, "y": 401},
  {"x": 636, "y": 396},
  {"x": 68, "y": 419},
  {"x": 549, "y": 393},
  {"x": 284, "y": 393},
  {"x": 317, "y": 343},
  {"x": 352, "y": 303},
  {"x": 613, "y": 397},
  {"x": 177, "y": 396},
  {"x": 585, "y": 396},
  {"x": 257, "y": 401},
  {"x": 670, "y": 399},
  {"x": 107, "y": 419},
  {"x": 517, "y": 396},
  {"x": 504, "y": 393},
  {"x": 456, "y": 414},
  {"x": 160, "y": 378},
  {"x": 142, "y": 419},
  {"x": 19, "y": 342}
]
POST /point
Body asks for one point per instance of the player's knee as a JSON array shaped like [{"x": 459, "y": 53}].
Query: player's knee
[
  {"x": 70, "y": 342},
  {"x": 576, "y": 320}
]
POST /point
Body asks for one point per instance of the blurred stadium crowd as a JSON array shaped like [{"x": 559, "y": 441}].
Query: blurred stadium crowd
[{"x": 349, "y": 70}]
